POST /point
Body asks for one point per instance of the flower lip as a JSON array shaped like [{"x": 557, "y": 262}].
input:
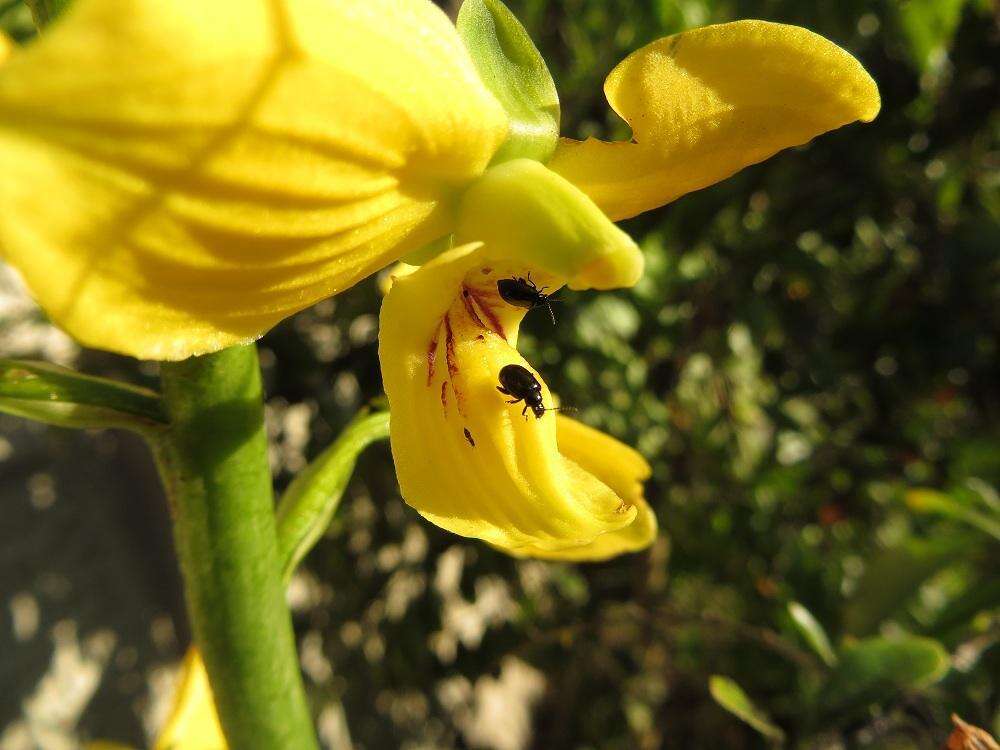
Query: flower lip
[{"x": 465, "y": 458}]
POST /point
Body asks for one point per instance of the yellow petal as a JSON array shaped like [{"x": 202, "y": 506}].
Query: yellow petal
[
  {"x": 6, "y": 47},
  {"x": 705, "y": 103},
  {"x": 193, "y": 723},
  {"x": 178, "y": 177},
  {"x": 468, "y": 460}
]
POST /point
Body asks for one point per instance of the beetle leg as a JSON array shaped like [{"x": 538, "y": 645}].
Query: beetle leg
[{"x": 504, "y": 391}]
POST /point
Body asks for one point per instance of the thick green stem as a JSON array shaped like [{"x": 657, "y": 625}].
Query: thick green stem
[{"x": 213, "y": 461}]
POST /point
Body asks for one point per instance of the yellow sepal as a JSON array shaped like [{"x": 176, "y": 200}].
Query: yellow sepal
[
  {"x": 193, "y": 723},
  {"x": 468, "y": 460},
  {"x": 705, "y": 103},
  {"x": 180, "y": 176}
]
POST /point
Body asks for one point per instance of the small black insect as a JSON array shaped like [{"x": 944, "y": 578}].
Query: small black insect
[
  {"x": 518, "y": 382},
  {"x": 523, "y": 292}
]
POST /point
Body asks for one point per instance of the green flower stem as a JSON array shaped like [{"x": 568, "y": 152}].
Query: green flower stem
[{"x": 213, "y": 462}]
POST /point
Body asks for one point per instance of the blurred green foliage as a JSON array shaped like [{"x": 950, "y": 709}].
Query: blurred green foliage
[{"x": 814, "y": 339}]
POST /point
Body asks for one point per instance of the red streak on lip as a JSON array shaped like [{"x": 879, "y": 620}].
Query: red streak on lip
[
  {"x": 492, "y": 319},
  {"x": 432, "y": 355},
  {"x": 444, "y": 394},
  {"x": 470, "y": 308},
  {"x": 449, "y": 348}
]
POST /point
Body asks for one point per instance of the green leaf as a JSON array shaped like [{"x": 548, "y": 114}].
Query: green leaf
[
  {"x": 731, "y": 697},
  {"x": 894, "y": 575},
  {"x": 812, "y": 632},
  {"x": 511, "y": 67},
  {"x": 60, "y": 396},
  {"x": 928, "y": 27},
  {"x": 878, "y": 668},
  {"x": 309, "y": 503},
  {"x": 959, "y": 612},
  {"x": 932, "y": 501}
]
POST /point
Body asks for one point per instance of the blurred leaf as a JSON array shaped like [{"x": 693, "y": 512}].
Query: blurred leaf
[
  {"x": 893, "y": 576},
  {"x": 932, "y": 501},
  {"x": 928, "y": 27},
  {"x": 512, "y": 68},
  {"x": 731, "y": 697},
  {"x": 960, "y": 611},
  {"x": 878, "y": 668},
  {"x": 311, "y": 500},
  {"x": 60, "y": 396},
  {"x": 812, "y": 632}
]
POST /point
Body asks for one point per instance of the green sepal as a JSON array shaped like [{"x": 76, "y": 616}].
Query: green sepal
[
  {"x": 44, "y": 12},
  {"x": 59, "y": 396},
  {"x": 513, "y": 70},
  {"x": 308, "y": 505}
]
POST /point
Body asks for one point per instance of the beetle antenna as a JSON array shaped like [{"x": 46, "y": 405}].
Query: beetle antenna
[{"x": 562, "y": 408}]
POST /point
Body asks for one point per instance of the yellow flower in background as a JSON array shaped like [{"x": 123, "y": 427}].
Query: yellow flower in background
[
  {"x": 179, "y": 177},
  {"x": 193, "y": 723}
]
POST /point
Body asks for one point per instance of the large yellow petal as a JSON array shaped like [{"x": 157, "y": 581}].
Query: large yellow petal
[
  {"x": 705, "y": 103},
  {"x": 465, "y": 458},
  {"x": 6, "y": 47},
  {"x": 193, "y": 723},
  {"x": 179, "y": 176}
]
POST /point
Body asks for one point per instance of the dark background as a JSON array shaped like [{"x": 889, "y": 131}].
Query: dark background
[{"x": 813, "y": 338}]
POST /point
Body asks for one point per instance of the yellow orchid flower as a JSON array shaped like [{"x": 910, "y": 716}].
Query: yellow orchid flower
[
  {"x": 466, "y": 458},
  {"x": 180, "y": 176}
]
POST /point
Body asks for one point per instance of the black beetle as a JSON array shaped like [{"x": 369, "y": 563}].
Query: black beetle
[
  {"x": 518, "y": 382},
  {"x": 523, "y": 292}
]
